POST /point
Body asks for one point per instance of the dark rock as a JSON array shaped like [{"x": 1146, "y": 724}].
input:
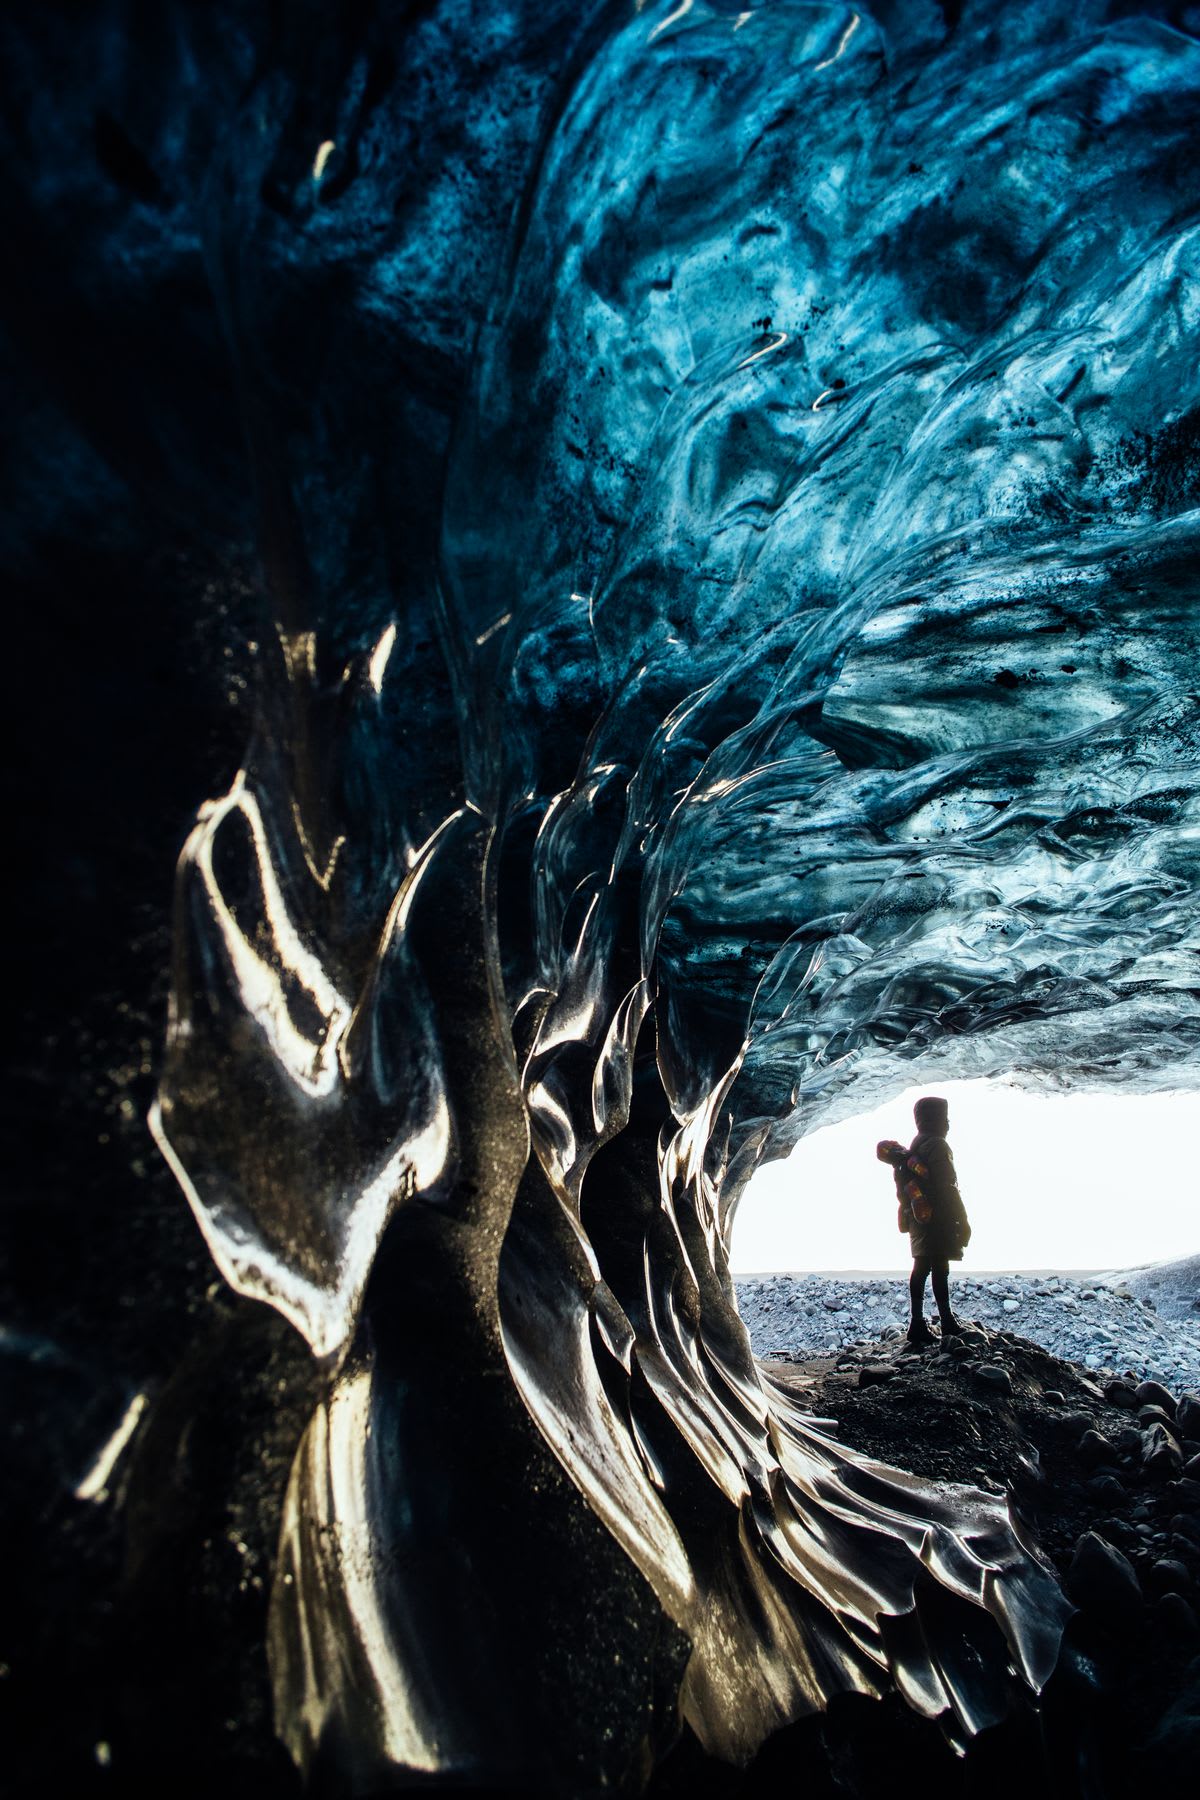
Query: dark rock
[
  {"x": 1191, "y": 1468},
  {"x": 1107, "y": 1487},
  {"x": 1128, "y": 1440},
  {"x": 1054, "y": 1397},
  {"x": 1167, "y": 1576},
  {"x": 1187, "y": 1494},
  {"x": 1174, "y": 1745},
  {"x": 1174, "y": 1615},
  {"x": 1185, "y": 1526},
  {"x": 874, "y": 1374},
  {"x": 1153, "y": 1393},
  {"x": 985, "y": 1479},
  {"x": 1120, "y": 1393},
  {"x": 1187, "y": 1415},
  {"x": 1076, "y": 1423},
  {"x": 1101, "y": 1581},
  {"x": 990, "y": 1375},
  {"x": 1154, "y": 1415},
  {"x": 1094, "y": 1448},
  {"x": 1161, "y": 1456}
]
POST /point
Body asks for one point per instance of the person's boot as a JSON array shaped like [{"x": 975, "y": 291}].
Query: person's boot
[{"x": 919, "y": 1333}]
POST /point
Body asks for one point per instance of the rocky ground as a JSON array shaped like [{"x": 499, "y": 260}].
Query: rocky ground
[
  {"x": 1144, "y": 1320},
  {"x": 1080, "y": 1402},
  {"x": 1103, "y": 1479}
]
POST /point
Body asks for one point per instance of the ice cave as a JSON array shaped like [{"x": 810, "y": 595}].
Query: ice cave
[{"x": 642, "y": 558}]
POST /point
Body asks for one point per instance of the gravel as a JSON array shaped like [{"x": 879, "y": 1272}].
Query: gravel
[
  {"x": 1100, "y": 1469},
  {"x": 1171, "y": 1289},
  {"x": 1106, "y": 1323}
]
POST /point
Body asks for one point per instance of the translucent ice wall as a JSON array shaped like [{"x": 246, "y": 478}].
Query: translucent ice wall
[
  {"x": 830, "y": 495},
  {"x": 801, "y": 700}
]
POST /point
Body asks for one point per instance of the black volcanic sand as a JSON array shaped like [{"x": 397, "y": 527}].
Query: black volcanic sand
[
  {"x": 1078, "y": 1463},
  {"x": 135, "y": 1625},
  {"x": 149, "y": 1636}
]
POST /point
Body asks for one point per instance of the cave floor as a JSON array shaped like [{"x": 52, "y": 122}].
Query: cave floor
[
  {"x": 179, "y": 1659},
  {"x": 1079, "y": 1461},
  {"x": 951, "y": 1414}
]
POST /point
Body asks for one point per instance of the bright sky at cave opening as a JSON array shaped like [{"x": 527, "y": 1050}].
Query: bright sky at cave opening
[{"x": 1079, "y": 1181}]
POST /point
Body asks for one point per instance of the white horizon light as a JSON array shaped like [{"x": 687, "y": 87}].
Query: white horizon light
[{"x": 1089, "y": 1181}]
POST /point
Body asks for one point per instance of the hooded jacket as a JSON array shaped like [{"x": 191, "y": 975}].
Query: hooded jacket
[{"x": 948, "y": 1233}]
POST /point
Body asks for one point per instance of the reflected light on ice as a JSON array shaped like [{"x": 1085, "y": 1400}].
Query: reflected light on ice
[
  {"x": 94, "y": 1485},
  {"x": 379, "y": 657},
  {"x": 311, "y": 1064}
]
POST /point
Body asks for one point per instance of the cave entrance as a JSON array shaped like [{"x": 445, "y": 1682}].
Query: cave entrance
[{"x": 1083, "y": 1182}]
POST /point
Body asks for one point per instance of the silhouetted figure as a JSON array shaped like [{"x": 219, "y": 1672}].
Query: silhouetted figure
[{"x": 931, "y": 1211}]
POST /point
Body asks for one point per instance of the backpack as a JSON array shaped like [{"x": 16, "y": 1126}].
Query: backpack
[{"x": 915, "y": 1206}]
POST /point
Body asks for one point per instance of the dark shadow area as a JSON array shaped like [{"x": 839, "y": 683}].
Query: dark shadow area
[{"x": 301, "y": 461}]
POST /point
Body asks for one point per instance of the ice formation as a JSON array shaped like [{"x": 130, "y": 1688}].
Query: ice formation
[{"x": 815, "y": 585}]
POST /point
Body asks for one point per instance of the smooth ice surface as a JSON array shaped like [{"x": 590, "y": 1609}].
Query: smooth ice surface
[
  {"x": 816, "y": 578},
  {"x": 798, "y": 696}
]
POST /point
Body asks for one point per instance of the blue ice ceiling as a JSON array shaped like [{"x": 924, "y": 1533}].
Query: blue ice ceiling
[
  {"x": 823, "y": 519},
  {"x": 725, "y": 489}
]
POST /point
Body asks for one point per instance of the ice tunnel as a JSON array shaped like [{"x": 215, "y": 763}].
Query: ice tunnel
[{"x": 725, "y": 489}]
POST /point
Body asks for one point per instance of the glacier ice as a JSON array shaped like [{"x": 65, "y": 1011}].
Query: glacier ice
[{"x": 814, "y": 610}]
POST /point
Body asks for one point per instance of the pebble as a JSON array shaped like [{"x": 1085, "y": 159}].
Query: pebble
[
  {"x": 1101, "y": 1581},
  {"x": 1173, "y": 1614},
  {"x": 1168, "y": 1576},
  {"x": 994, "y": 1377},
  {"x": 1120, "y": 1393},
  {"x": 1075, "y": 1423},
  {"x": 1161, "y": 1456},
  {"x": 1116, "y": 1334},
  {"x": 1094, "y": 1448},
  {"x": 1107, "y": 1487}
]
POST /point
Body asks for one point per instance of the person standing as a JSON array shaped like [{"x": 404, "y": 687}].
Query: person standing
[{"x": 932, "y": 1212}]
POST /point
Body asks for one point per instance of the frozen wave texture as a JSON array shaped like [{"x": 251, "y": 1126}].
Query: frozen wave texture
[{"x": 817, "y": 592}]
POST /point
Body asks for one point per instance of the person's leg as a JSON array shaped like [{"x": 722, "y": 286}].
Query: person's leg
[
  {"x": 916, "y": 1296},
  {"x": 940, "y": 1271}
]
